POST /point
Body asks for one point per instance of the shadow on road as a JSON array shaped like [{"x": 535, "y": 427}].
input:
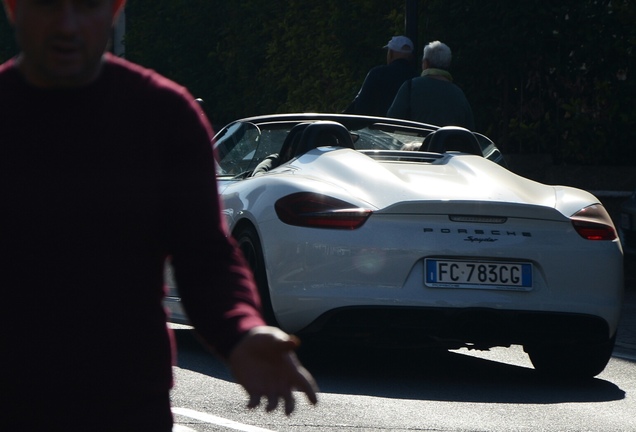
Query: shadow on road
[{"x": 416, "y": 374}]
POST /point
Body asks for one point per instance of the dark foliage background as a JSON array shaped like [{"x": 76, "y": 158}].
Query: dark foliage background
[{"x": 542, "y": 77}]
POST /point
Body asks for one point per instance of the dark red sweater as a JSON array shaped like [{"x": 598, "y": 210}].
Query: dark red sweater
[{"x": 98, "y": 185}]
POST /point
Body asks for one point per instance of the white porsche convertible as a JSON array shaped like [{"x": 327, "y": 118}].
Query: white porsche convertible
[{"x": 390, "y": 231}]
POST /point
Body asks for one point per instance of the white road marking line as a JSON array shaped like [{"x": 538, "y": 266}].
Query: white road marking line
[{"x": 220, "y": 421}]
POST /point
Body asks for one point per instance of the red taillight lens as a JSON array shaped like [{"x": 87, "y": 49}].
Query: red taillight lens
[
  {"x": 594, "y": 223},
  {"x": 314, "y": 210}
]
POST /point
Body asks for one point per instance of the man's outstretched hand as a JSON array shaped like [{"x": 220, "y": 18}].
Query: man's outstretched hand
[{"x": 265, "y": 364}]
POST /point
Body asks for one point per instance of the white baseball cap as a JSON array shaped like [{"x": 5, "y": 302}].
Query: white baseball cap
[{"x": 400, "y": 44}]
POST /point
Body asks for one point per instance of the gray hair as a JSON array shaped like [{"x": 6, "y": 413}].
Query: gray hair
[{"x": 438, "y": 55}]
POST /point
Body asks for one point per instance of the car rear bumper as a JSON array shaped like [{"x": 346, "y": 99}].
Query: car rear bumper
[
  {"x": 574, "y": 304},
  {"x": 453, "y": 328}
]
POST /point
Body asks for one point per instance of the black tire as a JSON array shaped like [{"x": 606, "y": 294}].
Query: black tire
[
  {"x": 569, "y": 361},
  {"x": 250, "y": 244}
]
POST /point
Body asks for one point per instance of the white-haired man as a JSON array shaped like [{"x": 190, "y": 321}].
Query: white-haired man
[{"x": 433, "y": 98}]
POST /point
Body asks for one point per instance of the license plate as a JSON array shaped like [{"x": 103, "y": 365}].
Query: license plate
[{"x": 478, "y": 274}]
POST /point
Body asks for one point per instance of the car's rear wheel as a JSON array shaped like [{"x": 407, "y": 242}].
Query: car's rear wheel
[
  {"x": 571, "y": 361},
  {"x": 250, "y": 244}
]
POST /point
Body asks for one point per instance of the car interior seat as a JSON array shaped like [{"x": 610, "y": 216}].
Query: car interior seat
[
  {"x": 324, "y": 133},
  {"x": 290, "y": 144},
  {"x": 452, "y": 138},
  {"x": 285, "y": 153}
]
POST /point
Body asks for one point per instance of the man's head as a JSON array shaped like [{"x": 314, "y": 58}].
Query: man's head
[
  {"x": 437, "y": 56},
  {"x": 62, "y": 41},
  {"x": 398, "y": 47},
  {"x": 10, "y": 7}
]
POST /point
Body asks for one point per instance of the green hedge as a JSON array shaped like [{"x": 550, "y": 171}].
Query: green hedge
[
  {"x": 253, "y": 57},
  {"x": 541, "y": 77},
  {"x": 547, "y": 77}
]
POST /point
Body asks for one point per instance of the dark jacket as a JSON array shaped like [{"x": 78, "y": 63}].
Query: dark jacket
[
  {"x": 432, "y": 101},
  {"x": 380, "y": 87}
]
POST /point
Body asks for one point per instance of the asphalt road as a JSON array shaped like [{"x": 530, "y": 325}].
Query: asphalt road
[{"x": 403, "y": 390}]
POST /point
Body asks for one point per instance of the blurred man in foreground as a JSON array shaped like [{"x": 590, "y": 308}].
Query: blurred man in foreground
[{"x": 107, "y": 171}]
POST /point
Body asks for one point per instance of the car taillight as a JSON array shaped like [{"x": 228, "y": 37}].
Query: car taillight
[
  {"x": 594, "y": 223},
  {"x": 315, "y": 210}
]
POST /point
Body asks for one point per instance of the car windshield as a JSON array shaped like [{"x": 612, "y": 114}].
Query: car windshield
[
  {"x": 376, "y": 139},
  {"x": 243, "y": 145}
]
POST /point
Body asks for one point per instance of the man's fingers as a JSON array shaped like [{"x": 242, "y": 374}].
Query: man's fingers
[
  {"x": 272, "y": 402},
  {"x": 303, "y": 381},
  {"x": 255, "y": 400},
  {"x": 295, "y": 340},
  {"x": 290, "y": 404},
  {"x": 308, "y": 386},
  {"x": 290, "y": 344}
]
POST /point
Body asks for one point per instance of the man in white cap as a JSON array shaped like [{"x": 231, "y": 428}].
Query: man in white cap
[{"x": 382, "y": 82}]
